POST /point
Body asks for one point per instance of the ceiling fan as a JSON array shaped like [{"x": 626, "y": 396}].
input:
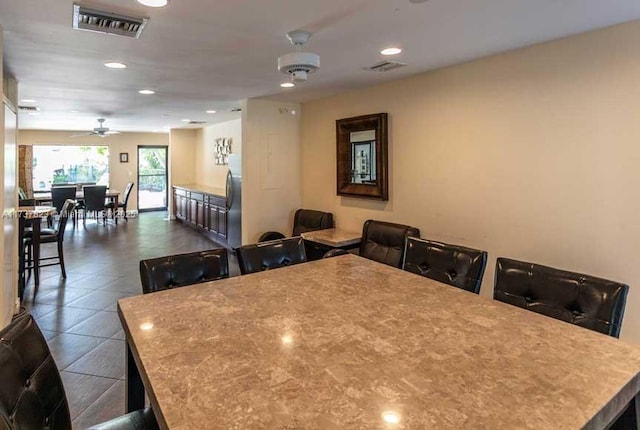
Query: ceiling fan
[{"x": 100, "y": 131}]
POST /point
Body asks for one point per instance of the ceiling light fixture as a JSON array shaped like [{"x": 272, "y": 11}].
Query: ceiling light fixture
[
  {"x": 147, "y": 92},
  {"x": 115, "y": 65},
  {"x": 287, "y": 85},
  {"x": 211, "y": 111},
  {"x": 154, "y": 3},
  {"x": 391, "y": 417},
  {"x": 75, "y": 111},
  {"x": 391, "y": 51},
  {"x": 185, "y": 120},
  {"x": 28, "y": 101},
  {"x": 299, "y": 64}
]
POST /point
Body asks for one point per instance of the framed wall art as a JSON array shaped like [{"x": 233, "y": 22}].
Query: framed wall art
[{"x": 223, "y": 149}]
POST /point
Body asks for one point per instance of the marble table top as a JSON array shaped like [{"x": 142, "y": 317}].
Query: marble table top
[
  {"x": 333, "y": 237},
  {"x": 348, "y": 343}
]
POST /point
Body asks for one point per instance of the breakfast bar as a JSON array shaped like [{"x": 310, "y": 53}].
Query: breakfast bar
[{"x": 347, "y": 342}]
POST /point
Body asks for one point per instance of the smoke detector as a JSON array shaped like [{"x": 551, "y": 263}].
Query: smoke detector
[{"x": 299, "y": 64}]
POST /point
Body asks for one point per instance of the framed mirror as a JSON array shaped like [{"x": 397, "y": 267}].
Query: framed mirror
[{"x": 362, "y": 166}]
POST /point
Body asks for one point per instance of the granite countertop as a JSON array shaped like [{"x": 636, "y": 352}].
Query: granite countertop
[
  {"x": 333, "y": 237},
  {"x": 347, "y": 343},
  {"x": 216, "y": 191}
]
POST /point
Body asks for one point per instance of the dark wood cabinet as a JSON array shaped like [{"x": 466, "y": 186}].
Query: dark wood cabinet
[
  {"x": 203, "y": 211},
  {"x": 180, "y": 204}
]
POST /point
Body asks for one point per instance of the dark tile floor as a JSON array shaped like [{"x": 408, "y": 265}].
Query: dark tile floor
[{"x": 78, "y": 315}]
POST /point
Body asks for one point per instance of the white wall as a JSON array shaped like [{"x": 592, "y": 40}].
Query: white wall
[
  {"x": 182, "y": 156},
  {"x": 207, "y": 172},
  {"x": 7, "y": 292},
  {"x": 119, "y": 173},
  {"x": 533, "y": 154},
  {"x": 271, "y": 167}
]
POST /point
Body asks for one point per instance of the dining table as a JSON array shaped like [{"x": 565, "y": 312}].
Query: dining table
[
  {"x": 349, "y": 343},
  {"x": 318, "y": 242},
  {"x": 34, "y": 213},
  {"x": 40, "y": 198}
]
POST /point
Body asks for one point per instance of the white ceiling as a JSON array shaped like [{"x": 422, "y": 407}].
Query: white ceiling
[{"x": 206, "y": 54}]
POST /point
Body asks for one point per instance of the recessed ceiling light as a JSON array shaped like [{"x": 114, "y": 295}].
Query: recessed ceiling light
[
  {"x": 154, "y": 3},
  {"x": 28, "y": 101},
  {"x": 146, "y": 326},
  {"x": 391, "y": 51},
  {"x": 287, "y": 85},
  {"x": 75, "y": 111},
  {"x": 115, "y": 65},
  {"x": 185, "y": 120},
  {"x": 211, "y": 111},
  {"x": 391, "y": 417},
  {"x": 147, "y": 92}
]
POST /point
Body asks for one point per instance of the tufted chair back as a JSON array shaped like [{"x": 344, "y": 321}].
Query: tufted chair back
[
  {"x": 384, "y": 241},
  {"x": 309, "y": 220},
  {"x": 59, "y": 195},
  {"x": 31, "y": 391},
  {"x": 179, "y": 270},
  {"x": 271, "y": 255},
  {"x": 587, "y": 301},
  {"x": 451, "y": 264},
  {"x": 94, "y": 197}
]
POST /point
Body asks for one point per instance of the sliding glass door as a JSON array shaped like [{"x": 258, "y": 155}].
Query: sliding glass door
[{"x": 152, "y": 178}]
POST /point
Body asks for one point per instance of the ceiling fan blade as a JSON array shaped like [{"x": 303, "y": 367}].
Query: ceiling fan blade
[
  {"x": 82, "y": 135},
  {"x": 111, "y": 132}
]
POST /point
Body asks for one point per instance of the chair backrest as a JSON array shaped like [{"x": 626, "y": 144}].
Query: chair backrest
[
  {"x": 127, "y": 192},
  {"x": 451, "y": 264},
  {"x": 587, "y": 301},
  {"x": 337, "y": 252},
  {"x": 157, "y": 274},
  {"x": 59, "y": 195},
  {"x": 64, "y": 213},
  {"x": 384, "y": 241},
  {"x": 271, "y": 255},
  {"x": 94, "y": 197},
  {"x": 22, "y": 194},
  {"x": 310, "y": 220},
  {"x": 27, "y": 202},
  {"x": 31, "y": 393}
]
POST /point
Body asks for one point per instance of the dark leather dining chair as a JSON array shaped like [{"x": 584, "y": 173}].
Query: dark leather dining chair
[
  {"x": 384, "y": 241},
  {"x": 48, "y": 235},
  {"x": 94, "y": 201},
  {"x": 158, "y": 274},
  {"x": 271, "y": 255},
  {"x": 31, "y": 393},
  {"x": 304, "y": 220},
  {"x": 583, "y": 300},
  {"x": 451, "y": 264},
  {"x": 59, "y": 195},
  {"x": 123, "y": 205}
]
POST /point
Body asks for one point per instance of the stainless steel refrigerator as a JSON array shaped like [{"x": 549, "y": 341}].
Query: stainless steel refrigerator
[{"x": 234, "y": 201}]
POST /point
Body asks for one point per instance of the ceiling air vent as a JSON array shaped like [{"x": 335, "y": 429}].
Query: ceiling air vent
[
  {"x": 196, "y": 122},
  {"x": 107, "y": 22},
  {"x": 385, "y": 66},
  {"x": 235, "y": 110},
  {"x": 29, "y": 108}
]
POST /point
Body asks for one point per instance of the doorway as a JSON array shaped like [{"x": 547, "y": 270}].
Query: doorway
[{"x": 152, "y": 178}]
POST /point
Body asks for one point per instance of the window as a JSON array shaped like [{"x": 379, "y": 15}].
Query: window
[{"x": 59, "y": 165}]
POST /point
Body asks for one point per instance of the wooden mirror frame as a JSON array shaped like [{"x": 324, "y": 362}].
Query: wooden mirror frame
[{"x": 344, "y": 128}]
